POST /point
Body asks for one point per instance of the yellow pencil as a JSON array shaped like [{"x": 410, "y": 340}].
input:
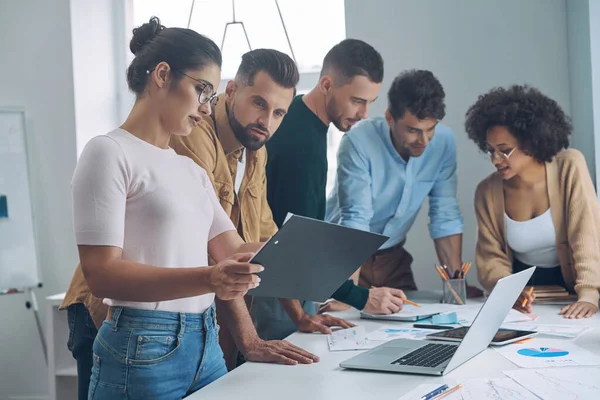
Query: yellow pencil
[
  {"x": 410, "y": 302},
  {"x": 524, "y": 303},
  {"x": 442, "y": 273},
  {"x": 468, "y": 267},
  {"x": 404, "y": 300},
  {"x": 447, "y": 392}
]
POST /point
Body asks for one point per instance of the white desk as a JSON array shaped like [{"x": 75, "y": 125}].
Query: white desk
[
  {"x": 326, "y": 380},
  {"x": 62, "y": 368}
]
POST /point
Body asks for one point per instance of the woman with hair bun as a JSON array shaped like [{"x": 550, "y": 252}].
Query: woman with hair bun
[
  {"x": 146, "y": 220},
  {"x": 540, "y": 207}
]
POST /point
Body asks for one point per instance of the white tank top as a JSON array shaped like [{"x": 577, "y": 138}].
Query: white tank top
[{"x": 533, "y": 242}]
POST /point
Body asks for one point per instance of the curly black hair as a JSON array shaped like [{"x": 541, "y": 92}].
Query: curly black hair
[
  {"x": 419, "y": 92},
  {"x": 535, "y": 120}
]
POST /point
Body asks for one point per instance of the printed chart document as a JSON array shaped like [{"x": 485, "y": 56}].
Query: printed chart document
[
  {"x": 563, "y": 331},
  {"x": 413, "y": 313},
  {"x": 477, "y": 389},
  {"x": 497, "y": 389},
  {"x": 349, "y": 339},
  {"x": 387, "y": 334},
  {"x": 560, "y": 383},
  {"x": 467, "y": 314},
  {"x": 544, "y": 353}
]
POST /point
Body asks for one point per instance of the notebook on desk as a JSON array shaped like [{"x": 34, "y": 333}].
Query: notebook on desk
[{"x": 412, "y": 313}]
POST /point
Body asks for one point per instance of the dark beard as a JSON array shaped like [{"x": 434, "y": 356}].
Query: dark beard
[
  {"x": 334, "y": 116},
  {"x": 242, "y": 133}
]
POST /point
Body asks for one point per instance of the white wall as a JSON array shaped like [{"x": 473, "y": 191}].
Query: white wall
[
  {"x": 36, "y": 70},
  {"x": 471, "y": 46},
  {"x": 580, "y": 78},
  {"x": 94, "y": 38}
]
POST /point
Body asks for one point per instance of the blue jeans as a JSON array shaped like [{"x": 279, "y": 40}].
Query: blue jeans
[
  {"x": 143, "y": 354},
  {"x": 82, "y": 333}
]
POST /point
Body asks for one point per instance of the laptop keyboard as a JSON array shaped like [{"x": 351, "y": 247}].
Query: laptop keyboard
[{"x": 430, "y": 355}]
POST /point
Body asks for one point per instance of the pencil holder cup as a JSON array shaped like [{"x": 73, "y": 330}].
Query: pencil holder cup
[{"x": 454, "y": 291}]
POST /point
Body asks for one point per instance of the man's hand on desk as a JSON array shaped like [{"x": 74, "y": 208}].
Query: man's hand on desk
[
  {"x": 320, "y": 323},
  {"x": 384, "y": 300},
  {"x": 277, "y": 351}
]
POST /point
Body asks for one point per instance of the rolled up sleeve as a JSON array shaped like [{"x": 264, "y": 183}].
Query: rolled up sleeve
[
  {"x": 354, "y": 187},
  {"x": 445, "y": 218}
]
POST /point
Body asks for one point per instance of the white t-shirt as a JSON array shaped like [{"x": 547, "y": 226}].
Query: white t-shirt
[
  {"x": 156, "y": 205},
  {"x": 239, "y": 175},
  {"x": 533, "y": 242}
]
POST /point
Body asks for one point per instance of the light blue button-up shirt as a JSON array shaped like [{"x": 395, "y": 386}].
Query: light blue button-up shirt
[{"x": 377, "y": 191}]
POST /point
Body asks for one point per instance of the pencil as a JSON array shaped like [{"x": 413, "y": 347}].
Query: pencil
[
  {"x": 524, "y": 303},
  {"x": 440, "y": 271},
  {"x": 468, "y": 267},
  {"x": 404, "y": 300},
  {"x": 447, "y": 392},
  {"x": 410, "y": 302}
]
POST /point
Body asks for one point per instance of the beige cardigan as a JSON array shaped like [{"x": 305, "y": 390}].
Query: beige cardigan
[{"x": 576, "y": 216}]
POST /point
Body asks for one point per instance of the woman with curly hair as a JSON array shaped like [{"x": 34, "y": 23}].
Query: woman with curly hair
[{"x": 540, "y": 207}]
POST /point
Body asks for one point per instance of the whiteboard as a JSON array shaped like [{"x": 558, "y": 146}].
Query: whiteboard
[{"x": 18, "y": 258}]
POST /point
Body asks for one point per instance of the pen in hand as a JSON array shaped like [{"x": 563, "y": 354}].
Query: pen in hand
[
  {"x": 524, "y": 303},
  {"x": 404, "y": 300}
]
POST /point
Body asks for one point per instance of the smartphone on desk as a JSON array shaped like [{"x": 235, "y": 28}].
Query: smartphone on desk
[{"x": 502, "y": 337}]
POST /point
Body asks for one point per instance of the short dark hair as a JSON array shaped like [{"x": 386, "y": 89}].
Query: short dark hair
[
  {"x": 353, "y": 57},
  {"x": 419, "y": 92},
  {"x": 181, "y": 48},
  {"x": 280, "y": 67},
  {"x": 537, "y": 122}
]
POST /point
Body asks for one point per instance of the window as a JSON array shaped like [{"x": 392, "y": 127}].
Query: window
[{"x": 325, "y": 21}]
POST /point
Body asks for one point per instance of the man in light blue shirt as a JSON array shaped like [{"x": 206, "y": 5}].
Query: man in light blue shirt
[{"x": 387, "y": 167}]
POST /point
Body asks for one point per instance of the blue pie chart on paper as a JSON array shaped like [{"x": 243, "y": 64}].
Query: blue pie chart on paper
[{"x": 543, "y": 352}]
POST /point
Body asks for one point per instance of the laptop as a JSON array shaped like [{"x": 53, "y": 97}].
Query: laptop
[
  {"x": 308, "y": 259},
  {"x": 435, "y": 358}
]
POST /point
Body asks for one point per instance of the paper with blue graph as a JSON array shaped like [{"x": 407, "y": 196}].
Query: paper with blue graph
[
  {"x": 560, "y": 383},
  {"x": 349, "y": 339},
  {"x": 544, "y": 353},
  {"x": 399, "y": 332},
  {"x": 478, "y": 389}
]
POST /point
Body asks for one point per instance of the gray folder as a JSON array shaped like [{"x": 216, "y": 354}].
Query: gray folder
[{"x": 308, "y": 259}]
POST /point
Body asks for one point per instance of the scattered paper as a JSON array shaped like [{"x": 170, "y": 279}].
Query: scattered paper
[
  {"x": 477, "y": 389},
  {"x": 425, "y": 388},
  {"x": 468, "y": 313},
  {"x": 349, "y": 339},
  {"x": 560, "y": 383},
  {"x": 564, "y": 331},
  {"x": 387, "y": 334},
  {"x": 543, "y": 353},
  {"x": 409, "y": 311},
  {"x": 497, "y": 389}
]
